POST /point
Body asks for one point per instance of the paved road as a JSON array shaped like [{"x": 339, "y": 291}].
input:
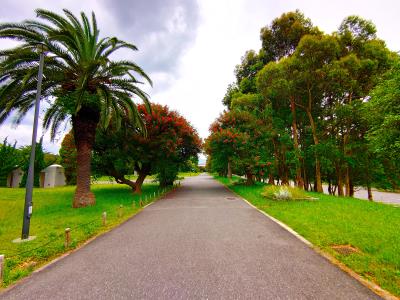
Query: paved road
[{"x": 194, "y": 244}]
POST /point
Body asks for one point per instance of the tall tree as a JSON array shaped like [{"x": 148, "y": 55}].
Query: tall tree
[
  {"x": 281, "y": 38},
  {"x": 383, "y": 115},
  {"x": 275, "y": 82},
  {"x": 87, "y": 86},
  {"x": 170, "y": 141},
  {"x": 312, "y": 58}
]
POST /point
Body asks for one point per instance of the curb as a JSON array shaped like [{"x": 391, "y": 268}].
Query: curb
[{"x": 370, "y": 285}]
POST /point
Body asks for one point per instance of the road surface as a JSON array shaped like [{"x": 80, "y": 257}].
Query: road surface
[{"x": 200, "y": 242}]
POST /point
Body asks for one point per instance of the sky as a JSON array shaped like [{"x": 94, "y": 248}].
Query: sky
[{"x": 190, "y": 48}]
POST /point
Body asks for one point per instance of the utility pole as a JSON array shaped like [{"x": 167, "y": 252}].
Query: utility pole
[{"x": 30, "y": 178}]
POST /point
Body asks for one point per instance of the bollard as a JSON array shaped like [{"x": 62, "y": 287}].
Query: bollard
[
  {"x": 104, "y": 216},
  {"x": 120, "y": 211},
  {"x": 154, "y": 194},
  {"x": 67, "y": 237},
  {"x": 2, "y": 267},
  {"x": 141, "y": 202}
]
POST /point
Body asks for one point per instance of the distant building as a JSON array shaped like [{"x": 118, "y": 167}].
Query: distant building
[
  {"x": 49, "y": 177},
  {"x": 15, "y": 177},
  {"x": 52, "y": 176}
]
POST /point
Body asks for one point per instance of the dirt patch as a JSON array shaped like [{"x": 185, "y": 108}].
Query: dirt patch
[{"x": 345, "y": 250}]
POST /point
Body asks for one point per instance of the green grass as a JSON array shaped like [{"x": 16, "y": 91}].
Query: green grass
[
  {"x": 52, "y": 213},
  {"x": 373, "y": 228}
]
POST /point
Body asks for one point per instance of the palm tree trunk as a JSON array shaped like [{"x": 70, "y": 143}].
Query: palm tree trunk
[{"x": 84, "y": 125}]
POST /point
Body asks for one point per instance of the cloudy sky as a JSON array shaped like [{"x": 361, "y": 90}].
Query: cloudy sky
[{"x": 189, "y": 47}]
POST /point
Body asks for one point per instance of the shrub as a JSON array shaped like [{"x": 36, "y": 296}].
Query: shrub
[{"x": 284, "y": 193}]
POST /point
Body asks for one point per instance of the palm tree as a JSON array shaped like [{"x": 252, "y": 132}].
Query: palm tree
[{"x": 81, "y": 82}]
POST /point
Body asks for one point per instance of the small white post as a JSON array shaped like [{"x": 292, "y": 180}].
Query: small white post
[
  {"x": 104, "y": 216},
  {"x": 67, "y": 237}
]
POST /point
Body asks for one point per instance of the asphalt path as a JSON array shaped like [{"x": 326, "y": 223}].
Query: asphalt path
[{"x": 199, "y": 242}]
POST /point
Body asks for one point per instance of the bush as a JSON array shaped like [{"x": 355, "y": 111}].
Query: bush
[
  {"x": 285, "y": 193},
  {"x": 167, "y": 173}
]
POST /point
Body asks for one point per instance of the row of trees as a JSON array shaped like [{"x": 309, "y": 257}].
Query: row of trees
[
  {"x": 168, "y": 145},
  {"x": 312, "y": 108}
]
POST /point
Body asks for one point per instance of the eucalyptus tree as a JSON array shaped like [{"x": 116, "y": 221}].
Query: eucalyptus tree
[
  {"x": 312, "y": 60},
  {"x": 81, "y": 81},
  {"x": 275, "y": 83},
  {"x": 281, "y": 38}
]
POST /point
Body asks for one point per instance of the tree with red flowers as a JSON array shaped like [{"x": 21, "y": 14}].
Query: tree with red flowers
[
  {"x": 169, "y": 141},
  {"x": 233, "y": 144}
]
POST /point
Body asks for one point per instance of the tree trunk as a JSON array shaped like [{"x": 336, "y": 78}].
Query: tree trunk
[
  {"x": 123, "y": 180},
  {"x": 370, "y": 198},
  {"x": 351, "y": 186},
  {"x": 305, "y": 177},
  {"x": 249, "y": 177},
  {"x": 84, "y": 126},
  {"x": 229, "y": 169},
  {"x": 347, "y": 182},
  {"x": 329, "y": 186},
  {"x": 271, "y": 178},
  {"x": 277, "y": 160},
  {"x": 299, "y": 178},
  {"x": 339, "y": 180},
  {"x": 285, "y": 169},
  {"x": 318, "y": 181},
  {"x": 139, "y": 182}
]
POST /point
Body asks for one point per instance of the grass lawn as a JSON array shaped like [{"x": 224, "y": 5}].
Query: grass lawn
[
  {"x": 373, "y": 228},
  {"x": 52, "y": 213}
]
